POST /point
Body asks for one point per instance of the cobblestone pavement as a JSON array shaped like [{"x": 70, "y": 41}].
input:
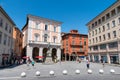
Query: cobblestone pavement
[{"x": 14, "y": 73}]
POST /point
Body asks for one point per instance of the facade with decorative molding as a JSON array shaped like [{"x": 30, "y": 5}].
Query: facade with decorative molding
[
  {"x": 39, "y": 33},
  {"x": 104, "y": 35}
]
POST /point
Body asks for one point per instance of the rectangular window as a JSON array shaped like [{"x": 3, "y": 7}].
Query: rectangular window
[
  {"x": 113, "y": 45},
  {"x": 103, "y": 18},
  {"x": 84, "y": 42},
  {"x": 104, "y": 37},
  {"x": 54, "y": 39},
  {"x": 90, "y": 41},
  {"x": 6, "y": 27},
  {"x": 118, "y": 9},
  {"x": 54, "y": 29},
  {"x": 45, "y": 37},
  {"x": 96, "y": 31},
  {"x": 119, "y": 20},
  {"x": 113, "y": 12},
  {"x": 8, "y": 41},
  {"x": 95, "y": 23},
  {"x": 9, "y": 29},
  {"x": 89, "y": 34},
  {"x": 103, "y": 46},
  {"x": 93, "y": 40},
  {"x": 96, "y": 40},
  {"x": 114, "y": 34},
  {"x": 1, "y": 22},
  {"x": 92, "y": 33},
  {"x": 95, "y": 48},
  {"x": 36, "y": 37},
  {"x": 107, "y": 15},
  {"x": 46, "y": 27},
  {"x": 113, "y": 23},
  {"x": 73, "y": 36},
  {"x": 103, "y": 28},
  {"x": 109, "y": 36},
  {"x": 90, "y": 48},
  {"x": 99, "y": 21},
  {"x": 108, "y": 26},
  {"x": 99, "y": 30},
  {"x": 5, "y": 39},
  {"x": 73, "y": 42},
  {"x": 99, "y": 38},
  {"x": 36, "y": 26},
  {"x": 0, "y": 37}
]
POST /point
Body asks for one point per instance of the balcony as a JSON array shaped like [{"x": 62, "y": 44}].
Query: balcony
[
  {"x": 44, "y": 43},
  {"x": 76, "y": 44},
  {"x": 80, "y": 51}
]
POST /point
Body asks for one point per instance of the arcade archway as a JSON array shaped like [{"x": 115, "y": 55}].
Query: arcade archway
[
  {"x": 54, "y": 54},
  {"x": 44, "y": 54},
  {"x": 35, "y": 53}
]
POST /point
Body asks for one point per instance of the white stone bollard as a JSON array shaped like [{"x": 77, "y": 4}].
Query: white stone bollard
[
  {"x": 37, "y": 73},
  {"x": 89, "y": 71},
  {"x": 112, "y": 71},
  {"x": 23, "y": 74},
  {"x": 51, "y": 73},
  {"x": 101, "y": 71},
  {"x": 77, "y": 71},
  {"x": 65, "y": 72}
]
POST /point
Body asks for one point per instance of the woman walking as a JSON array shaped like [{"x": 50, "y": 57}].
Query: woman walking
[{"x": 88, "y": 64}]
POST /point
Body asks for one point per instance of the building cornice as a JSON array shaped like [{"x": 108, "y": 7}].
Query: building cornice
[
  {"x": 6, "y": 15},
  {"x": 102, "y": 12}
]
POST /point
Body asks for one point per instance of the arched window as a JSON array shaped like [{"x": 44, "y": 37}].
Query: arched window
[
  {"x": 54, "y": 28},
  {"x": 36, "y": 37},
  {"x": 37, "y": 25}
]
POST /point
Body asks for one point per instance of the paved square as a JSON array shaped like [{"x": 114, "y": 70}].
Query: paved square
[{"x": 15, "y": 72}]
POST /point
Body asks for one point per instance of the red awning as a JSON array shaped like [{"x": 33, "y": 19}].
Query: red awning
[{"x": 39, "y": 57}]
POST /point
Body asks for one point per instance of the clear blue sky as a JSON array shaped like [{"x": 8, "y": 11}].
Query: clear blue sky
[{"x": 73, "y": 13}]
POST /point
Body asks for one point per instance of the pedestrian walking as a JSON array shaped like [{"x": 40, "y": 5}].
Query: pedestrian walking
[
  {"x": 103, "y": 63},
  {"x": 88, "y": 64},
  {"x": 33, "y": 63}
]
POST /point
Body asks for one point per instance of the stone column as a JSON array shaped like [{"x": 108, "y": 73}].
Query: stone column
[
  {"x": 108, "y": 58},
  {"x": 59, "y": 54},
  {"x": 99, "y": 57},
  {"x": 41, "y": 51},
  {"x": 107, "y": 53},
  {"x": 29, "y": 51}
]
